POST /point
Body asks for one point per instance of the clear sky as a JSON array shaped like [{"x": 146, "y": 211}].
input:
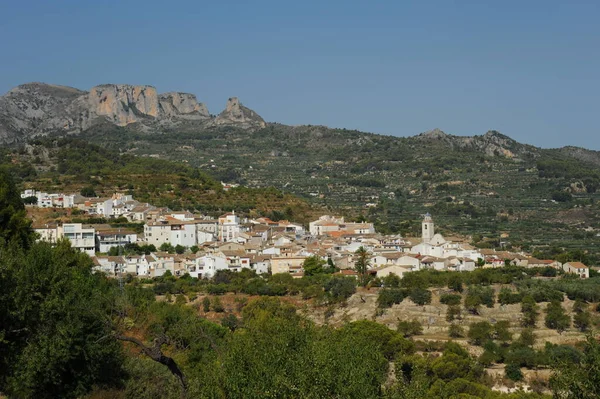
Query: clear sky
[{"x": 527, "y": 68}]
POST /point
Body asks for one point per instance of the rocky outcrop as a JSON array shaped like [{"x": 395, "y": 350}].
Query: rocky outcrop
[
  {"x": 182, "y": 105},
  {"x": 492, "y": 143},
  {"x": 34, "y": 108},
  {"x": 236, "y": 114},
  {"x": 37, "y": 109}
]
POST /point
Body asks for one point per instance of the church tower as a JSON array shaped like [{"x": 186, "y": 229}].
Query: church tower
[{"x": 427, "y": 231}]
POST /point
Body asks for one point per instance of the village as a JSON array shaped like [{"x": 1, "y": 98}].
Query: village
[{"x": 184, "y": 243}]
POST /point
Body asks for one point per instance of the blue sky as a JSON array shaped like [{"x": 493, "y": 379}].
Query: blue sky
[{"x": 529, "y": 69}]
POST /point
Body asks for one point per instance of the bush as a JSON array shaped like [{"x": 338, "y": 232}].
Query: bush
[
  {"x": 456, "y": 331},
  {"x": 410, "y": 328},
  {"x": 556, "y": 318},
  {"x": 340, "y": 288},
  {"x": 206, "y": 304},
  {"x": 453, "y": 313},
  {"x": 513, "y": 372},
  {"x": 450, "y": 299},
  {"x": 480, "y": 332},
  {"x": 217, "y": 306},
  {"x": 420, "y": 296},
  {"x": 389, "y": 297}
]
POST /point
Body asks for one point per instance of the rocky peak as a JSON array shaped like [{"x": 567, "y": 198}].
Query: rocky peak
[
  {"x": 236, "y": 113},
  {"x": 434, "y": 134},
  {"x": 38, "y": 109},
  {"x": 182, "y": 104},
  {"x": 122, "y": 104}
]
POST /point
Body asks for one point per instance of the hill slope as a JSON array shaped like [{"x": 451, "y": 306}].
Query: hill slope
[{"x": 490, "y": 186}]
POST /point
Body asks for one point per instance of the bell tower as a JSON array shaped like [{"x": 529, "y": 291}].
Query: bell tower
[{"x": 427, "y": 229}]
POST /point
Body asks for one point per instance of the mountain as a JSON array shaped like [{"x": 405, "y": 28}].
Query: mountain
[
  {"x": 489, "y": 186},
  {"x": 35, "y": 109}
]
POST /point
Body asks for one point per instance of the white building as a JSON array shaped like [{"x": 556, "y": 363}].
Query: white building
[
  {"x": 427, "y": 229},
  {"x": 172, "y": 231},
  {"x": 81, "y": 238},
  {"x": 229, "y": 227},
  {"x": 112, "y": 238},
  {"x": 207, "y": 266}
]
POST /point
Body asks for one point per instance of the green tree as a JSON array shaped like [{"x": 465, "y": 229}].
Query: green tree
[
  {"x": 55, "y": 339},
  {"x": 179, "y": 249},
  {"x": 410, "y": 328},
  {"x": 513, "y": 372},
  {"x": 556, "y": 318},
  {"x": 529, "y": 308},
  {"x": 582, "y": 319},
  {"x": 361, "y": 265},
  {"x": 455, "y": 331},
  {"x": 480, "y": 332},
  {"x": 527, "y": 337},
  {"x": 88, "y": 191},
  {"x": 579, "y": 380},
  {"x": 420, "y": 296},
  {"x": 14, "y": 225},
  {"x": 313, "y": 265},
  {"x": 502, "y": 331},
  {"x": 206, "y": 304},
  {"x": 453, "y": 313}
]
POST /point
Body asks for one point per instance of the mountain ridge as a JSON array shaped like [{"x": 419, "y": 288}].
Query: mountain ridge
[{"x": 37, "y": 109}]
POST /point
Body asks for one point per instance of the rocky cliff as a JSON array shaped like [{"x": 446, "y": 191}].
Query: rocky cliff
[
  {"x": 38, "y": 109},
  {"x": 236, "y": 113},
  {"x": 491, "y": 143}
]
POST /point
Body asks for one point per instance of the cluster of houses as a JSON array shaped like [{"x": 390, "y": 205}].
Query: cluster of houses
[{"x": 266, "y": 246}]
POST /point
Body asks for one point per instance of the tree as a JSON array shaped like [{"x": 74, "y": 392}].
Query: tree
[
  {"x": 420, "y": 296},
  {"x": 30, "y": 200},
  {"x": 313, "y": 265},
  {"x": 582, "y": 319},
  {"x": 527, "y": 337},
  {"x": 480, "y": 332},
  {"x": 88, "y": 191},
  {"x": 167, "y": 247},
  {"x": 455, "y": 331},
  {"x": 579, "y": 380},
  {"x": 453, "y": 313},
  {"x": 529, "y": 308},
  {"x": 206, "y": 304},
  {"x": 502, "y": 331},
  {"x": 455, "y": 282},
  {"x": 556, "y": 318},
  {"x": 410, "y": 328},
  {"x": 513, "y": 372},
  {"x": 14, "y": 225},
  {"x": 361, "y": 265},
  {"x": 340, "y": 288},
  {"x": 53, "y": 312},
  {"x": 179, "y": 249}
]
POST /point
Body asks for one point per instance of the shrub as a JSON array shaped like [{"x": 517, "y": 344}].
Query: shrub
[
  {"x": 420, "y": 296},
  {"x": 480, "y": 332},
  {"x": 410, "y": 328},
  {"x": 513, "y": 372},
  {"x": 206, "y": 304},
  {"x": 450, "y": 299},
  {"x": 456, "y": 331},
  {"x": 217, "y": 305},
  {"x": 389, "y": 297}
]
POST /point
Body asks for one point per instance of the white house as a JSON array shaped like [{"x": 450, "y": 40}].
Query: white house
[
  {"x": 577, "y": 268},
  {"x": 172, "y": 231},
  {"x": 229, "y": 227},
  {"x": 81, "y": 238}
]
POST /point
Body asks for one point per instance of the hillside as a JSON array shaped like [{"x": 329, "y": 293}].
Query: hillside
[
  {"x": 491, "y": 187},
  {"x": 68, "y": 165}
]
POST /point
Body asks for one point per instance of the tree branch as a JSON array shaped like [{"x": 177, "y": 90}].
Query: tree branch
[{"x": 155, "y": 353}]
